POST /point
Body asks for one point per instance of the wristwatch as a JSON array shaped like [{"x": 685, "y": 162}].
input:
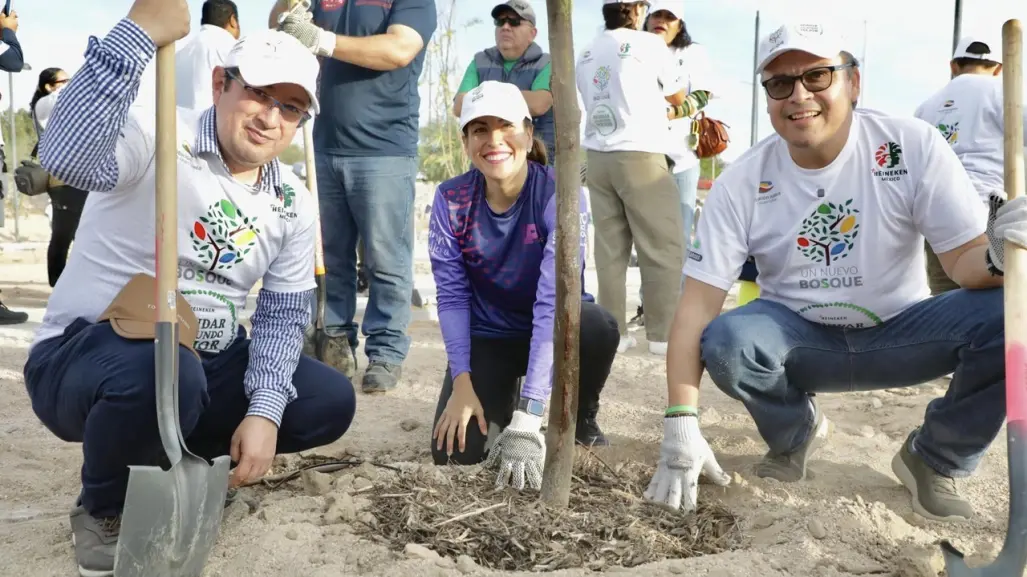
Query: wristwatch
[{"x": 531, "y": 406}]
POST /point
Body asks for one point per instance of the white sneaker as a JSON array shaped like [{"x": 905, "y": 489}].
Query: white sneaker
[
  {"x": 626, "y": 342},
  {"x": 657, "y": 348}
]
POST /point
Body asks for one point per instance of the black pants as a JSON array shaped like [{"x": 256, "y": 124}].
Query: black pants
[
  {"x": 67, "y": 203},
  {"x": 498, "y": 364}
]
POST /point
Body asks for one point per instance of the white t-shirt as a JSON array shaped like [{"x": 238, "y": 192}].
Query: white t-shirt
[
  {"x": 693, "y": 63},
  {"x": 619, "y": 77},
  {"x": 44, "y": 107},
  {"x": 853, "y": 257},
  {"x": 194, "y": 66},
  {"x": 968, "y": 113},
  {"x": 230, "y": 235}
]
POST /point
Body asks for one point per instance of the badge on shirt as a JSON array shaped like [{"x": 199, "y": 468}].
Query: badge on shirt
[{"x": 216, "y": 320}]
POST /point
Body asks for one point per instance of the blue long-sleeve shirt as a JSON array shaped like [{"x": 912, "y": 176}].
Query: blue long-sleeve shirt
[
  {"x": 11, "y": 58},
  {"x": 495, "y": 274},
  {"x": 92, "y": 144}
]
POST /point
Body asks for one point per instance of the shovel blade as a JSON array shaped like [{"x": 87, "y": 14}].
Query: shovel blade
[{"x": 171, "y": 518}]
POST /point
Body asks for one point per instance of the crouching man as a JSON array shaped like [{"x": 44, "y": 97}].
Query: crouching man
[
  {"x": 242, "y": 219},
  {"x": 835, "y": 208}
]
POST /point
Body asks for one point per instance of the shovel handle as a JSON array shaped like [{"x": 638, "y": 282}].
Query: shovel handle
[
  {"x": 166, "y": 184},
  {"x": 1015, "y": 258}
]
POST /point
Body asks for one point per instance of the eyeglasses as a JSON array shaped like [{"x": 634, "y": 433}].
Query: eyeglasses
[
  {"x": 289, "y": 112},
  {"x": 513, "y": 21},
  {"x": 814, "y": 80}
]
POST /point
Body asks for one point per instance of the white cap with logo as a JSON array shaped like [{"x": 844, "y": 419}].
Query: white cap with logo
[
  {"x": 992, "y": 52},
  {"x": 811, "y": 37},
  {"x": 675, "y": 7},
  {"x": 493, "y": 98},
  {"x": 270, "y": 57}
]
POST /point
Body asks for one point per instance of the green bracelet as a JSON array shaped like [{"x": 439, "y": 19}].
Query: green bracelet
[{"x": 686, "y": 409}]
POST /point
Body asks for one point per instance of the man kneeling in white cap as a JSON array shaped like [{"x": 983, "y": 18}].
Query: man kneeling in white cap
[
  {"x": 242, "y": 219},
  {"x": 835, "y": 208}
]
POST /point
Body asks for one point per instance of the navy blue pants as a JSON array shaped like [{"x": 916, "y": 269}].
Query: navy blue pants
[{"x": 94, "y": 387}]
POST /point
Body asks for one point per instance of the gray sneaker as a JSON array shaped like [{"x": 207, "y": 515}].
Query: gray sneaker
[
  {"x": 791, "y": 467},
  {"x": 934, "y": 495},
  {"x": 95, "y": 541},
  {"x": 381, "y": 377}
]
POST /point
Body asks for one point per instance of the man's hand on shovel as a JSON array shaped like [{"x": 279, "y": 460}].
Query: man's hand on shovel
[
  {"x": 165, "y": 21},
  {"x": 253, "y": 448}
]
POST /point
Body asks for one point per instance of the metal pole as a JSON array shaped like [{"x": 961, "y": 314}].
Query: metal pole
[
  {"x": 754, "y": 120},
  {"x": 957, "y": 24},
  {"x": 14, "y": 156}
]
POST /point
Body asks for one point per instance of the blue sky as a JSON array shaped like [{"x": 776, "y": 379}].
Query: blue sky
[{"x": 906, "y": 47}]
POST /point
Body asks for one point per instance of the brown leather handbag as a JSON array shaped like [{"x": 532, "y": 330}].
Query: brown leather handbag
[{"x": 713, "y": 136}]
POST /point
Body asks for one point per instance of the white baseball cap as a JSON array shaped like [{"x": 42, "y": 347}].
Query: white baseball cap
[
  {"x": 270, "y": 57},
  {"x": 993, "y": 52},
  {"x": 811, "y": 37},
  {"x": 493, "y": 98},
  {"x": 675, "y": 7}
]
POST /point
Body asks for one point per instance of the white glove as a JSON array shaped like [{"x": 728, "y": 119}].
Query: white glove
[
  {"x": 300, "y": 25},
  {"x": 1006, "y": 221},
  {"x": 520, "y": 453},
  {"x": 684, "y": 453}
]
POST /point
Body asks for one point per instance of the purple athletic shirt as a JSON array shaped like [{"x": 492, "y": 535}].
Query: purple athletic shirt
[{"x": 495, "y": 274}]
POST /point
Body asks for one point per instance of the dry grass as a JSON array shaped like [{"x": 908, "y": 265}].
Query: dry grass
[{"x": 607, "y": 523}]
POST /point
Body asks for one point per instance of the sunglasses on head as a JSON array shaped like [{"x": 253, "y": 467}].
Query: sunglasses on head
[
  {"x": 513, "y": 21},
  {"x": 814, "y": 80}
]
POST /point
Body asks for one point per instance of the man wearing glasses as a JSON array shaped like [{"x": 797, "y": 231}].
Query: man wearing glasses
[
  {"x": 835, "y": 208},
  {"x": 242, "y": 219},
  {"x": 516, "y": 59}
]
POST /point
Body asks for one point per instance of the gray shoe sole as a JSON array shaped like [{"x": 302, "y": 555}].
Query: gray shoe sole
[
  {"x": 908, "y": 480},
  {"x": 83, "y": 572}
]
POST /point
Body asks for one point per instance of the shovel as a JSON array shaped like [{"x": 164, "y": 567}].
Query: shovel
[
  {"x": 171, "y": 518},
  {"x": 1012, "y": 558},
  {"x": 315, "y": 343}
]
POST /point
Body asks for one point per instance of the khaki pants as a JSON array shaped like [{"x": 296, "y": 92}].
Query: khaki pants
[
  {"x": 635, "y": 200},
  {"x": 937, "y": 279}
]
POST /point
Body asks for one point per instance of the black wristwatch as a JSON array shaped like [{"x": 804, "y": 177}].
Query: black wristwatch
[{"x": 531, "y": 406}]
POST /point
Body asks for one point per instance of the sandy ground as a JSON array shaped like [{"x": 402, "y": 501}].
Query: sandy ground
[{"x": 851, "y": 518}]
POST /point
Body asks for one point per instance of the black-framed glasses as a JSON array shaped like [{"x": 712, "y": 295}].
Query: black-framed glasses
[
  {"x": 289, "y": 112},
  {"x": 513, "y": 21},
  {"x": 814, "y": 80}
]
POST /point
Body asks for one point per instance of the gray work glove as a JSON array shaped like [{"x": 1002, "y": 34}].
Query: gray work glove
[
  {"x": 1006, "y": 221},
  {"x": 300, "y": 25},
  {"x": 684, "y": 454},
  {"x": 520, "y": 453}
]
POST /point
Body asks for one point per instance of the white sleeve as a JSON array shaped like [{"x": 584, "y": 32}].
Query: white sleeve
[
  {"x": 669, "y": 73},
  {"x": 947, "y": 209},
  {"x": 721, "y": 246},
  {"x": 292, "y": 270},
  {"x": 699, "y": 72},
  {"x": 44, "y": 107}
]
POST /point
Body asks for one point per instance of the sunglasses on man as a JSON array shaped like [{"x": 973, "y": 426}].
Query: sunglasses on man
[
  {"x": 814, "y": 80},
  {"x": 513, "y": 21}
]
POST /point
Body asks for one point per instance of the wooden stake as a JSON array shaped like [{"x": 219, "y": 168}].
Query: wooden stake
[{"x": 556, "y": 481}]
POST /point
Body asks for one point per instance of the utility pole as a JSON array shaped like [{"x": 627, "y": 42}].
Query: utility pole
[
  {"x": 957, "y": 25},
  {"x": 754, "y": 119}
]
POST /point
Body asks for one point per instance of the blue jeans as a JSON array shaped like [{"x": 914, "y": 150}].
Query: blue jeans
[
  {"x": 771, "y": 359},
  {"x": 373, "y": 198},
  {"x": 93, "y": 387}
]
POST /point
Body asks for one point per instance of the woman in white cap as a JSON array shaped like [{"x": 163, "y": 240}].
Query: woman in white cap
[
  {"x": 492, "y": 242},
  {"x": 627, "y": 78}
]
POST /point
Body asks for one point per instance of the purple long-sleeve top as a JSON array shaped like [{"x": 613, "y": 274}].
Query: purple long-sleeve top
[{"x": 495, "y": 274}]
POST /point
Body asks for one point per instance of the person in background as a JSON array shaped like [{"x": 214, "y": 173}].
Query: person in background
[
  {"x": 492, "y": 242},
  {"x": 195, "y": 62},
  {"x": 11, "y": 60},
  {"x": 835, "y": 207},
  {"x": 627, "y": 78},
  {"x": 968, "y": 112},
  {"x": 67, "y": 202},
  {"x": 365, "y": 141},
  {"x": 516, "y": 59}
]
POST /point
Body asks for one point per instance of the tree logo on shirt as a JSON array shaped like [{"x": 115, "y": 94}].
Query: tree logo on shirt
[
  {"x": 625, "y": 49},
  {"x": 888, "y": 155},
  {"x": 829, "y": 233},
  {"x": 288, "y": 195},
  {"x": 601, "y": 79},
  {"x": 950, "y": 132},
  {"x": 224, "y": 236}
]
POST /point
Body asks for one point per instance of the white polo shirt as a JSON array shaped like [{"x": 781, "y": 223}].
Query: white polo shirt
[
  {"x": 230, "y": 235},
  {"x": 841, "y": 245},
  {"x": 623, "y": 77},
  {"x": 194, "y": 66},
  {"x": 694, "y": 66},
  {"x": 968, "y": 113}
]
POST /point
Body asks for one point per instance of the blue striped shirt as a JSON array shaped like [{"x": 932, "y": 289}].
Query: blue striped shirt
[{"x": 80, "y": 147}]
